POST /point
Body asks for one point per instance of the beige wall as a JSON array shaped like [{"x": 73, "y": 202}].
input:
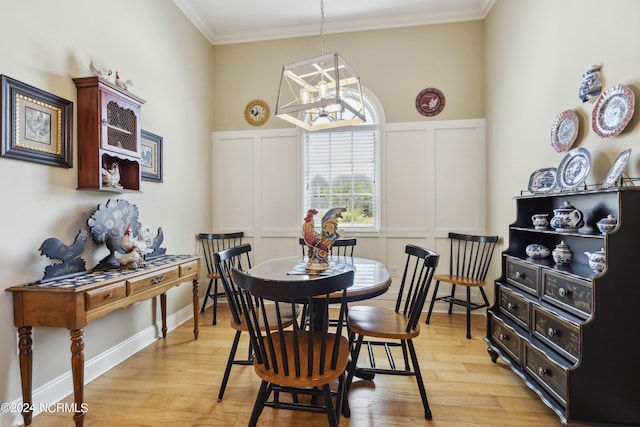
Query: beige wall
[
  {"x": 394, "y": 64},
  {"x": 46, "y": 44},
  {"x": 536, "y": 51}
]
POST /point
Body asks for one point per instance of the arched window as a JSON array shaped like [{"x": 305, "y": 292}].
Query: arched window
[{"x": 341, "y": 169}]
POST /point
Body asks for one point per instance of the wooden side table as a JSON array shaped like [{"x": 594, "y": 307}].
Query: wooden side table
[{"x": 73, "y": 302}]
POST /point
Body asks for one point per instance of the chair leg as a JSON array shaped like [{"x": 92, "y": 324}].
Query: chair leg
[
  {"x": 343, "y": 398},
  {"x": 331, "y": 414},
  {"x": 468, "y": 312},
  {"x": 423, "y": 392},
  {"x": 261, "y": 398},
  {"x": 227, "y": 371},
  {"x": 354, "y": 361},
  {"x": 453, "y": 294},
  {"x": 433, "y": 300},
  {"x": 484, "y": 297},
  {"x": 206, "y": 296},
  {"x": 215, "y": 301}
]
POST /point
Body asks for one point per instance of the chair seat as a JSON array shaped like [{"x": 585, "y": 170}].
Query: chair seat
[
  {"x": 286, "y": 313},
  {"x": 379, "y": 322},
  {"x": 458, "y": 280},
  {"x": 317, "y": 379}
]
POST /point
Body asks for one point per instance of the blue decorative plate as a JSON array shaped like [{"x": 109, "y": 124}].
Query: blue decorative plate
[
  {"x": 542, "y": 180},
  {"x": 573, "y": 169},
  {"x": 618, "y": 166}
]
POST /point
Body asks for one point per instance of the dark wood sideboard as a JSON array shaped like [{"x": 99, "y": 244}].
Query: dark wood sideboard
[
  {"x": 73, "y": 302},
  {"x": 572, "y": 335}
]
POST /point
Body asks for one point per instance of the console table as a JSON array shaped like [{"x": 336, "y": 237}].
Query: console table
[{"x": 73, "y": 302}]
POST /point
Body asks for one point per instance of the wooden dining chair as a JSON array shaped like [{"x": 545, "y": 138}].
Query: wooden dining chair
[
  {"x": 383, "y": 327},
  {"x": 300, "y": 361},
  {"x": 469, "y": 260},
  {"x": 212, "y": 243},
  {"x": 238, "y": 257}
]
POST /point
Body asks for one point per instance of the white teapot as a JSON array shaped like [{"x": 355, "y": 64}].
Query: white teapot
[
  {"x": 567, "y": 218},
  {"x": 597, "y": 260}
]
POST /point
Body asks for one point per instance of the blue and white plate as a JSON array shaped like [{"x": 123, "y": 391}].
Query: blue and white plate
[
  {"x": 617, "y": 168},
  {"x": 542, "y": 180},
  {"x": 573, "y": 169}
]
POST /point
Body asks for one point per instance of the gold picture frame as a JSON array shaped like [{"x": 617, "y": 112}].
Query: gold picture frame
[{"x": 36, "y": 126}]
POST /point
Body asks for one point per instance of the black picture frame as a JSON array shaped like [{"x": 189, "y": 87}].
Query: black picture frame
[
  {"x": 35, "y": 125},
  {"x": 150, "y": 156}
]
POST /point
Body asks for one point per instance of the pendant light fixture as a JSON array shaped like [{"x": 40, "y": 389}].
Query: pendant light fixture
[{"x": 320, "y": 93}]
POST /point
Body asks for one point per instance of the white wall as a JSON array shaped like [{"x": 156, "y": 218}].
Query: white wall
[
  {"x": 45, "y": 44},
  {"x": 432, "y": 175}
]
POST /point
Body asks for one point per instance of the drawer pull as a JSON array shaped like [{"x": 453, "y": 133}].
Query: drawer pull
[
  {"x": 564, "y": 292},
  {"x": 504, "y": 337},
  {"x": 511, "y": 306},
  {"x": 157, "y": 280},
  {"x": 551, "y": 332},
  {"x": 542, "y": 372},
  {"x": 109, "y": 295}
]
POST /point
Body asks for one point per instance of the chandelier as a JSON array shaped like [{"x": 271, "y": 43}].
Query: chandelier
[{"x": 320, "y": 93}]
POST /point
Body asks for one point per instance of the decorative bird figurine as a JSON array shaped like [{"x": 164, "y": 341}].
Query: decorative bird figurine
[
  {"x": 143, "y": 242},
  {"x": 103, "y": 73},
  {"x": 320, "y": 243},
  {"x": 111, "y": 176},
  {"x": 133, "y": 259},
  {"x": 124, "y": 84},
  {"x": 53, "y": 248}
]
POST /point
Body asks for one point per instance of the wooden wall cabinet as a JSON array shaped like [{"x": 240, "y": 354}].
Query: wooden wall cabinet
[
  {"x": 108, "y": 134},
  {"x": 573, "y": 335}
]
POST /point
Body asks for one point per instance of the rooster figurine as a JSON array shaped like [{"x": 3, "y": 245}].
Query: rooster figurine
[
  {"x": 53, "y": 248},
  {"x": 111, "y": 176},
  {"x": 320, "y": 244},
  {"x": 103, "y": 73},
  {"x": 124, "y": 84}
]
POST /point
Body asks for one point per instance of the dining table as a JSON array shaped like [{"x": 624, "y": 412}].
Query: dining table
[{"x": 370, "y": 280}]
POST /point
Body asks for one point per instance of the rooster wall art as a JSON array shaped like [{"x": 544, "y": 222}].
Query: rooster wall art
[{"x": 320, "y": 243}]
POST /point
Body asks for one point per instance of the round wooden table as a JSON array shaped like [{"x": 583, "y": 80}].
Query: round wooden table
[{"x": 371, "y": 278}]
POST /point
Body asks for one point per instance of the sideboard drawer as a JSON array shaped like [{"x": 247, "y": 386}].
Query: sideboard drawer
[
  {"x": 101, "y": 296},
  {"x": 144, "y": 282},
  {"x": 557, "y": 332},
  {"x": 189, "y": 268},
  {"x": 566, "y": 292},
  {"x": 523, "y": 275},
  {"x": 515, "y": 306},
  {"x": 548, "y": 373},
  {"x": 506, "y": 337}
]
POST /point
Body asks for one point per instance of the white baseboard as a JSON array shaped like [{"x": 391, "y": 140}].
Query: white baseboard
[{"x": 62, "y": 386}]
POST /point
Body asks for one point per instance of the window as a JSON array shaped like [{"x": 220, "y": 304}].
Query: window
[{"x": 341, "y": 169}]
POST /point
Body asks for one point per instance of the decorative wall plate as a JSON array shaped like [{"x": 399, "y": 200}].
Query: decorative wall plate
[
  {"x": 616, "y": 169},
  {"x": 542, "y": 180},
  {"x": 613, "y": 111},
  {"x": 430, "y": 102},
  {"x": 564, "y": 130},
  {"x": 256, "y": 113},
  {"x": 573, "y": 169}
]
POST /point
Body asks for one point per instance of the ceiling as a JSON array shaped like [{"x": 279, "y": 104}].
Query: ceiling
[{"x": 239, "y": 21}]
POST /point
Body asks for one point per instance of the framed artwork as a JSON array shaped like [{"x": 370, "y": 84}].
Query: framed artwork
[
  {"x": 150, "y": 156},
  {"x": 35, "y": 125}
]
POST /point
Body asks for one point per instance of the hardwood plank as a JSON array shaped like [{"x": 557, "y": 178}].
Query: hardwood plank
[{"x": 175, "y": 382}]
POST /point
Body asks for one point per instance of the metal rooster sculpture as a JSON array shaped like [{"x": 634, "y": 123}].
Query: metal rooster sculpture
[
  {"x": 55, "y": 249},
  {"x": 320, "y": 243}
]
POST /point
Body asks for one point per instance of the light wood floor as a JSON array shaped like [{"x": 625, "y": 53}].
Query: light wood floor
[{"x": 175, "y": 382}]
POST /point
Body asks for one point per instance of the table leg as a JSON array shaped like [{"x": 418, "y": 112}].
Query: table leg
[
  {"x": 163, "y": 310},
  {"x": 195, "y": 309},
  {"x": 25, "y": 345},
  {"x": 77, "y": 372}
]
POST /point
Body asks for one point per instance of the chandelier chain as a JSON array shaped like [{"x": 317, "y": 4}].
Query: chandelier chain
[{"x": 322, "y": 27}]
